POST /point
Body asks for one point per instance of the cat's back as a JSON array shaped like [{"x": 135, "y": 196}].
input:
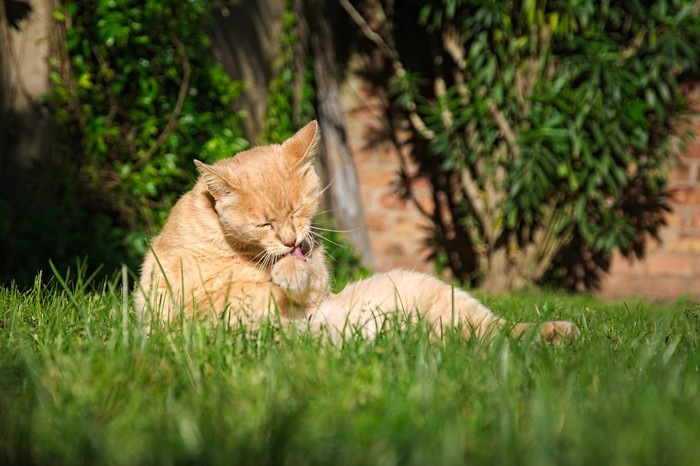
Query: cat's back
[{"x": 191, "y": 220}]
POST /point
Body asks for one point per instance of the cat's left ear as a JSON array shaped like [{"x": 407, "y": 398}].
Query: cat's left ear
[
  {"x": 214, "y": 179},
  {"x": 302, "y": 148}
]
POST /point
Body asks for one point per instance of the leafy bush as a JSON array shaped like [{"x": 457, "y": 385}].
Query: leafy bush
[
  {"x": 544, "y": 127},
  {"x": 136, "y": 98}
]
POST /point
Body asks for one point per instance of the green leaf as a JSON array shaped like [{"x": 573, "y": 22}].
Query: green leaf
[{"x": 85, "y": 81}]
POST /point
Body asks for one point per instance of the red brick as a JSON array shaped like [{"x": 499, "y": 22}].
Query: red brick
[
  {"x": 692, "y": 217},
  {"x": 693, "y": 166},
  {"x": 617, "y": 285},
  {"x": 381, "y": 263},
  {"x": 688, "y": 244},
  {"x": 377, "y": 177},
  {"x": 388, "y": 153},
  {"x": 652, "y": 244},
  {"x": 685, "y": 195},
  {"x": 692, "y": 92},
  {"x": 669, "y": 238},
  {"x": 693, "y": 149},
  {"x": 680, "y": 173},
  {"x": 411, "y": 228},
  {"x": 409, "y": 264},
  {"x": 420, "y": 182},
  {"x": 367, "y": 108},
  {"x": 670, "y": 265},
  {"x": 363, "y": 156},
  {"x": 424, "y": 199},
  {"x": 620, "y": 265},
  {"x": 659, "y": 287},
  {"x": 417, "y": 249},
  {"x": 676, "y": 218},
  {"x": 369, "y": 197},
  {"x": 392, "y": 200},
  {"x": 375, "y": 222},
  {"x": 694, "y": 287},
  {"x": 388, "y": 246},
  {"x": 410, "y": 165}
]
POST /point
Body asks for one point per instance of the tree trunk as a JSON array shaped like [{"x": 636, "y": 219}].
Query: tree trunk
[
  {"x": 344, "y": 193},
  {"x": 502, "y": 275},
  {"x": 246, "y": 41},
  {"x": 26, "y": 136}
]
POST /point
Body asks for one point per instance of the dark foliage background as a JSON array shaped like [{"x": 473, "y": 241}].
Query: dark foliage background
[{"x": 136, "y": 98}]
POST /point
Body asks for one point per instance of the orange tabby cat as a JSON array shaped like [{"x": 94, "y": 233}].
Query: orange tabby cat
[{"x": 240, "y": 245}]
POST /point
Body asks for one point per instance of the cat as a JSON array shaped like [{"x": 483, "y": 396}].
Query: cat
[{"x": 241, "y": 246}]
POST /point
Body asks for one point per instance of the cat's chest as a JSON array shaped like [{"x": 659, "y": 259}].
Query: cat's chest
[{"x": 231, "y": 269}]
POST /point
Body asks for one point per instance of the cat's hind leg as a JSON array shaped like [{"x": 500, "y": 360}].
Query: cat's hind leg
[{"x": 365, "y": 306}]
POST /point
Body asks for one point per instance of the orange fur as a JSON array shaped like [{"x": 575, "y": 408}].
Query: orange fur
[{"x": 234, "y": 243}]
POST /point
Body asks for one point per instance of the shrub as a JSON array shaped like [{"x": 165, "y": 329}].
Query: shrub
[
  {"x": 136, "y": 98},
  {"x": 544, "y": 127}
]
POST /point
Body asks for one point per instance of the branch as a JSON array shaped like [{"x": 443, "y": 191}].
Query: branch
[
  {"x": 636, "y": 42},
  {"x": 471, "y": 190},
  {"x": 440, "y": 92},
  {"x": 504, "y": 126},
  {"x": 450, "y": 41},
  {"x": 59, "y": 43},
  {"x": 113, "y": 106},
  {"x": 418, "y": 123},
  {"x": 378, "y": 40},
  {"x": 181, "y": 96},
  {"x": 546, "y": 241},
  {"x": 406, "y": 179},
  {"x": 451, "y": 44},
  {"x": 395, "y": 60}
]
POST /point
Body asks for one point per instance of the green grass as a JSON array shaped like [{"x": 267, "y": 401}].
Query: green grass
[{"x": 79, "y": 384}]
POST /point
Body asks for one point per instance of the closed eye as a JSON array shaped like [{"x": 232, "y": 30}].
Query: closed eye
[{"x": 264, "y": 225}]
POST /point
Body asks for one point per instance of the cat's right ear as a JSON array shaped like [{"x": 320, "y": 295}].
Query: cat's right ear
[
  {"x": 216, "y": 183},
  {"x": 303, "y": 147}
]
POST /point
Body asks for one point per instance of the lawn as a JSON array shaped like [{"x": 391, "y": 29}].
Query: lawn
[{"x": 80, "y": 384}]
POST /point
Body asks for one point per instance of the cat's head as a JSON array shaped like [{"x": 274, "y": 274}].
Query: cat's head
[{"x": 267, "y": 197}]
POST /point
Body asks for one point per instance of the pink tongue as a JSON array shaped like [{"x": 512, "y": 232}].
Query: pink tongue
[{"x": 296, "y": 252}]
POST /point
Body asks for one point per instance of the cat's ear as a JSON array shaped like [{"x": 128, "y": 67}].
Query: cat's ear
[
  {"x": 212, "y": 176},
  {"x": 302, "y": 148}
]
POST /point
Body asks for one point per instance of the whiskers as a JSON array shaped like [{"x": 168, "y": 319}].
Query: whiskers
[
  {"x": 316, "y": 236},
  {"x": 264, "y": 260},
  {"x": 311, "y": 242},
  {"x": 314, "y": 227},
  {"x": 325, "y": 188}
]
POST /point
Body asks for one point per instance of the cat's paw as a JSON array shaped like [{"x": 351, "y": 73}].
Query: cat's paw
[
  {"x": 291, "y": 274},
  {"x": 560, "y": 331}
]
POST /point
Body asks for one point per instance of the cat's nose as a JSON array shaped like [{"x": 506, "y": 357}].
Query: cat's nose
[{"x": 288, "y": 238}]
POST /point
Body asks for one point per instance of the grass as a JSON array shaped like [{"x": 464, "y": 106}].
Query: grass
[{"x": 80, "y": 384}]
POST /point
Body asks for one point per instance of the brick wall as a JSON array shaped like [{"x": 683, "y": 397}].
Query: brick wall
[
  {"x": 397, "y": 229},
  {"x": 671, "y": 268}
]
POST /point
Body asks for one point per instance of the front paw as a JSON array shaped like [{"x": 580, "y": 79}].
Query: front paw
[
  {"x": 560, "y": 331},
  {"x": 291, "y": 274}
]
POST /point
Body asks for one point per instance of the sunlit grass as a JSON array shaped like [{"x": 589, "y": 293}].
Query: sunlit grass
[{"x": 80, "y": 383}]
